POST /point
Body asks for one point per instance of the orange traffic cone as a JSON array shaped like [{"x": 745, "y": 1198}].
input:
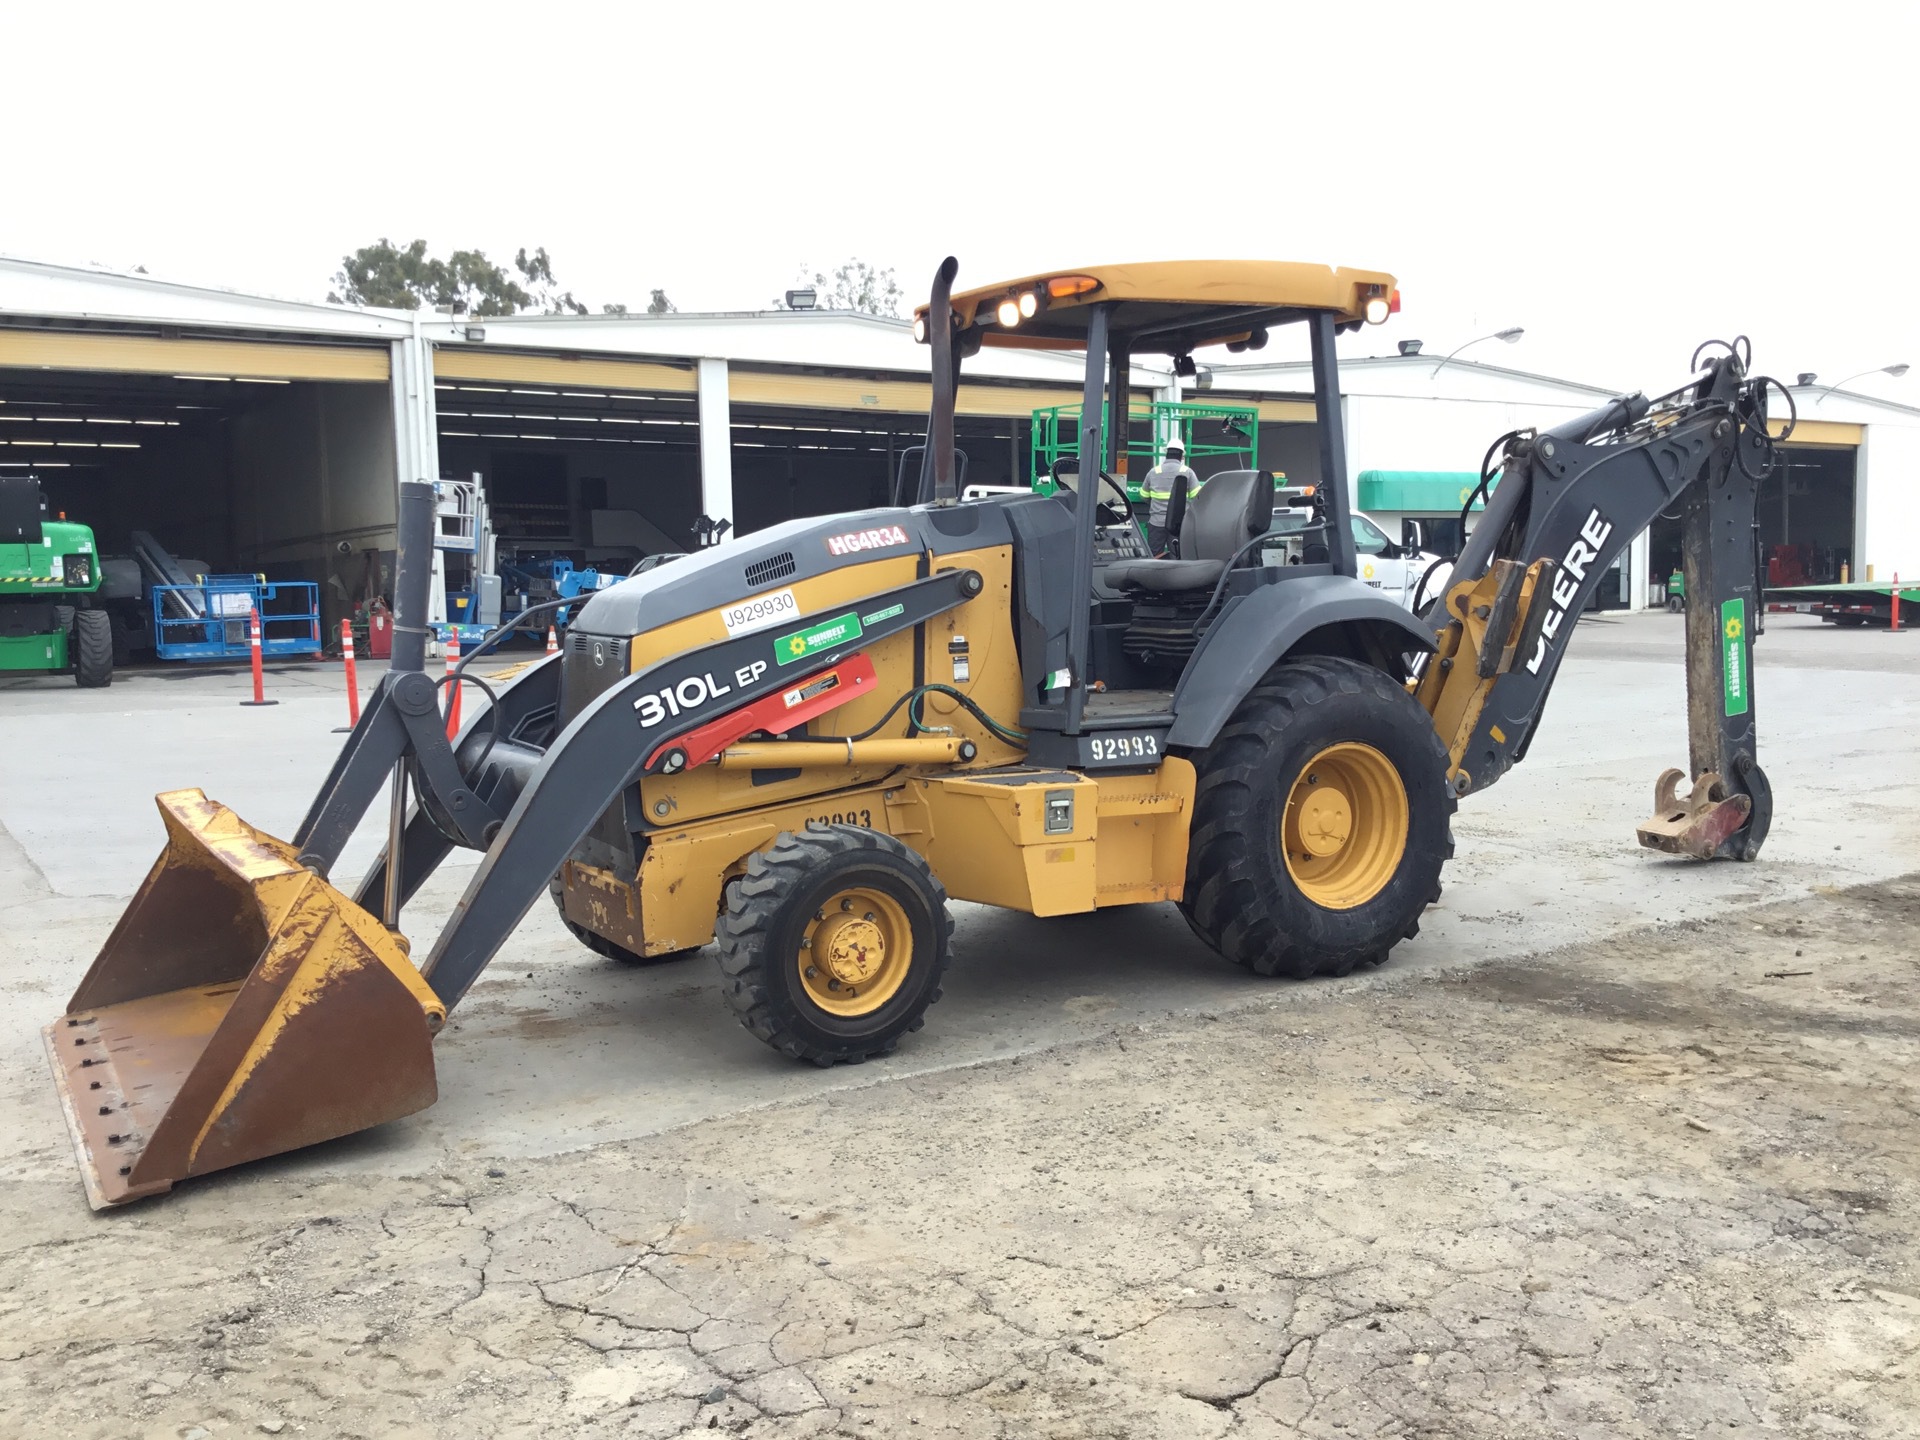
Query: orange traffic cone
[
  {"x": 553, "y": 642},
  {"x": 453, "y": 690}
]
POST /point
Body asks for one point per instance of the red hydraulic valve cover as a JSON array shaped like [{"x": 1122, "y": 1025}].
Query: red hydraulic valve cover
[{"x": 776, "y": 714}]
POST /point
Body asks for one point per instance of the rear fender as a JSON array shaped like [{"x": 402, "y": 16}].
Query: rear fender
[{"x": 1318, "y": 614}]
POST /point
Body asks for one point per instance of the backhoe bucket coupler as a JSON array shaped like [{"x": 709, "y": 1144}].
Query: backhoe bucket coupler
[
  {"x": 241, "y": 1007},
  {"x": 1698, "y": 825}
]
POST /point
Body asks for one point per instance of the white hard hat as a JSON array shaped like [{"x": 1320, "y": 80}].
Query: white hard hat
[{"x": 1176, "y": 443}]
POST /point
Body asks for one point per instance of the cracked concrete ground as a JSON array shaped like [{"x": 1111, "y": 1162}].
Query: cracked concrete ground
[{"x": 1634, "y": 1187}]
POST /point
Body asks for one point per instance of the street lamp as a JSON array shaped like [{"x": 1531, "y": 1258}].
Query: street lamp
[
  {"x": 1509, "y": 336},
  {"x": 1894, "y": 370}
]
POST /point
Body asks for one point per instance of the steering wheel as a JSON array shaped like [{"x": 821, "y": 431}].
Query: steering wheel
[{"x": 1108, "y": 512}]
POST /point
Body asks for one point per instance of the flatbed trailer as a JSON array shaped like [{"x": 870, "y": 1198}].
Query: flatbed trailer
[{"x": 1856, "y": 602}]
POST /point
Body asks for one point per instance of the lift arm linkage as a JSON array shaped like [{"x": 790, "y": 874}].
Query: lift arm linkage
[{"x": 1567, "y": 502}]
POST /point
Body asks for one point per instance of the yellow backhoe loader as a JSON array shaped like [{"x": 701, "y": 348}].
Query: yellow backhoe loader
[{"x": 797, "y": 746}]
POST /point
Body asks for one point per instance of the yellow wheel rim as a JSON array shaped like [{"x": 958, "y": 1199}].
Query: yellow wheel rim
[
  {"x": 855, "y": 952},
  {"x": 1346, "y": 826}
]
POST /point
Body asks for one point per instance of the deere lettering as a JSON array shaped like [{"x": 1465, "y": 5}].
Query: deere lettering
[
  {"x": 884, "y": 537},
  {"x": 1566, "y": 585}
]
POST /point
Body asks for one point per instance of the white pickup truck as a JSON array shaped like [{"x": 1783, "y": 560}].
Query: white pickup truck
[{"x": 1394, "y": 568}]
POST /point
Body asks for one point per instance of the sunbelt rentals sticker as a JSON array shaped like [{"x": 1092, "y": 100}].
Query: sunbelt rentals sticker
[
  {"x": 815, "y": 638},
  {"x": 1733, "y": 666}
]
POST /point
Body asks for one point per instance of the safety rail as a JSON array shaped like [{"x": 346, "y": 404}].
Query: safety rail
[
  {"x": 456, "y": 512},
  {"x": 1206, "y": 430},
  {"x": 289, "y": 618}
]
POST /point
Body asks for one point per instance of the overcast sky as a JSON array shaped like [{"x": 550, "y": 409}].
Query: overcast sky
[{"x": 1621, "y": 179}]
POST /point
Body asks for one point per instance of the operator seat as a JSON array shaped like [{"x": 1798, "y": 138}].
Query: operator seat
[{"x": 1231, "y": 508}]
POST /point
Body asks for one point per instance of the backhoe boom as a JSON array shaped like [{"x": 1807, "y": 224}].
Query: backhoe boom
[{"x": 1564, "y": 504}]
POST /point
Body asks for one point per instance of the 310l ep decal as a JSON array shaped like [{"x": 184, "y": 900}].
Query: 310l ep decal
[{"x": 690, "y": 694}]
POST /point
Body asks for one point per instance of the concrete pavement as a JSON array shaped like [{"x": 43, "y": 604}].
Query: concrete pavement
[{"x": 557, "y": 1049}]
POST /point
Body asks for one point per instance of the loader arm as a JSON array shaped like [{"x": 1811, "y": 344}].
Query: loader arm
[{"x": 1567, "y": 502}]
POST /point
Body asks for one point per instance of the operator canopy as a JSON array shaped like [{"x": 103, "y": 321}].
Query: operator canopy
[{"x": 1168, "y": 307}]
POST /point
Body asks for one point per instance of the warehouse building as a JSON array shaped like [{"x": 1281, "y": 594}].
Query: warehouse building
[
  {"x": 247, "y": 434},
  {"x": 260, "y": 435}
]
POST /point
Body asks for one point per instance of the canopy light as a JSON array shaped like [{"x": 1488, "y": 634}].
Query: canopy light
[
  {"x": 1183, "y": 365},
  {"x": 1061, "y": 287},
  {"x": 1029, "y": 303},
  {"x": 919, "y": 329},
  {"x": 1378, "y": 303},
  {"x": 1009, "y": 313}
]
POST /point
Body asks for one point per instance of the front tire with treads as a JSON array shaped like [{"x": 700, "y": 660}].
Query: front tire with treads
[
  {"x": 833, "y": 943},
  {"x": 90, "y": 647},
  {"x": 1321, "y": 822}
]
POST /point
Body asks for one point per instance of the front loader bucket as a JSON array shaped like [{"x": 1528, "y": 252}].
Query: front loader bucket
[{"x": 241, "y": 1007}]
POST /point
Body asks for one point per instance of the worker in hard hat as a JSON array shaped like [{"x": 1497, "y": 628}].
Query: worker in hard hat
[{"x": 1159, "y": 486}]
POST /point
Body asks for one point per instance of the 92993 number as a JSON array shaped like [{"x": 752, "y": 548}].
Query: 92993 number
[
  {"x": 1123, "y": 747},
  {"x": 844, "y": 817}
]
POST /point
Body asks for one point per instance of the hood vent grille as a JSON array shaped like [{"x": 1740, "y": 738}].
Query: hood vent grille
[{"x": 774, "y": 567}]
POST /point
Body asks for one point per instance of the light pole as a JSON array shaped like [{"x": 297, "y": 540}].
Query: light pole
[
  {"x": 1509, "y": 336},
  {"x": 1894, "y": 370}
]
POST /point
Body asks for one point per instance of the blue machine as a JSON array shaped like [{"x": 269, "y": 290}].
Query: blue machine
[
  {"x": 208, "y": 621},
  {"x": 530, "y": 579}
]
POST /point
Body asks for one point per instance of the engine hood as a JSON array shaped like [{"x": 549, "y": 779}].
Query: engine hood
[{"x": 769, "y": 560}]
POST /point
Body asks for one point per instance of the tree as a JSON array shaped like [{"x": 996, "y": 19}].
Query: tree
[
  {"x": 856, "y": 285},
  {"x": 406, "y": 279},
  {"x": 543, "y": 290}
]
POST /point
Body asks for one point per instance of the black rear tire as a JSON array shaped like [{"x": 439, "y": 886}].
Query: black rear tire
[
  {"x": 90, "y": 648},
  {"x": 781, "y": 984},
  {"x": 600, "y": 944},
  {"x": 1241, "y": 896}
]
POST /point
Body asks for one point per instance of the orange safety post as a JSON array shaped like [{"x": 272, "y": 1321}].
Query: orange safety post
[
  {"x": 453, "y": 689},
  {"x": 353, "y": 679},
  {"x": 259, "y": 670}
]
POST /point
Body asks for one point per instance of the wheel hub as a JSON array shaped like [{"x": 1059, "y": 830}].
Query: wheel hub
[
  {"x": 854, "y": 950},
  {"x": 1345, "y": 826},
  {"x": 1326, "y": 820}
]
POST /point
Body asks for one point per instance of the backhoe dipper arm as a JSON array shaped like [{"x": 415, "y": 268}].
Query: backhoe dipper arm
[{"x": 1567, "y": 502}]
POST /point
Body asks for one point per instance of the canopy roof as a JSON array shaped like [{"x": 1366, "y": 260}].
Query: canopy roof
[{"x": 1168, "y": 306}]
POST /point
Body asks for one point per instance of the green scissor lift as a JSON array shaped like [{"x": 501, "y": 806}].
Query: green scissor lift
[{"x": 1205, "y": 430}]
